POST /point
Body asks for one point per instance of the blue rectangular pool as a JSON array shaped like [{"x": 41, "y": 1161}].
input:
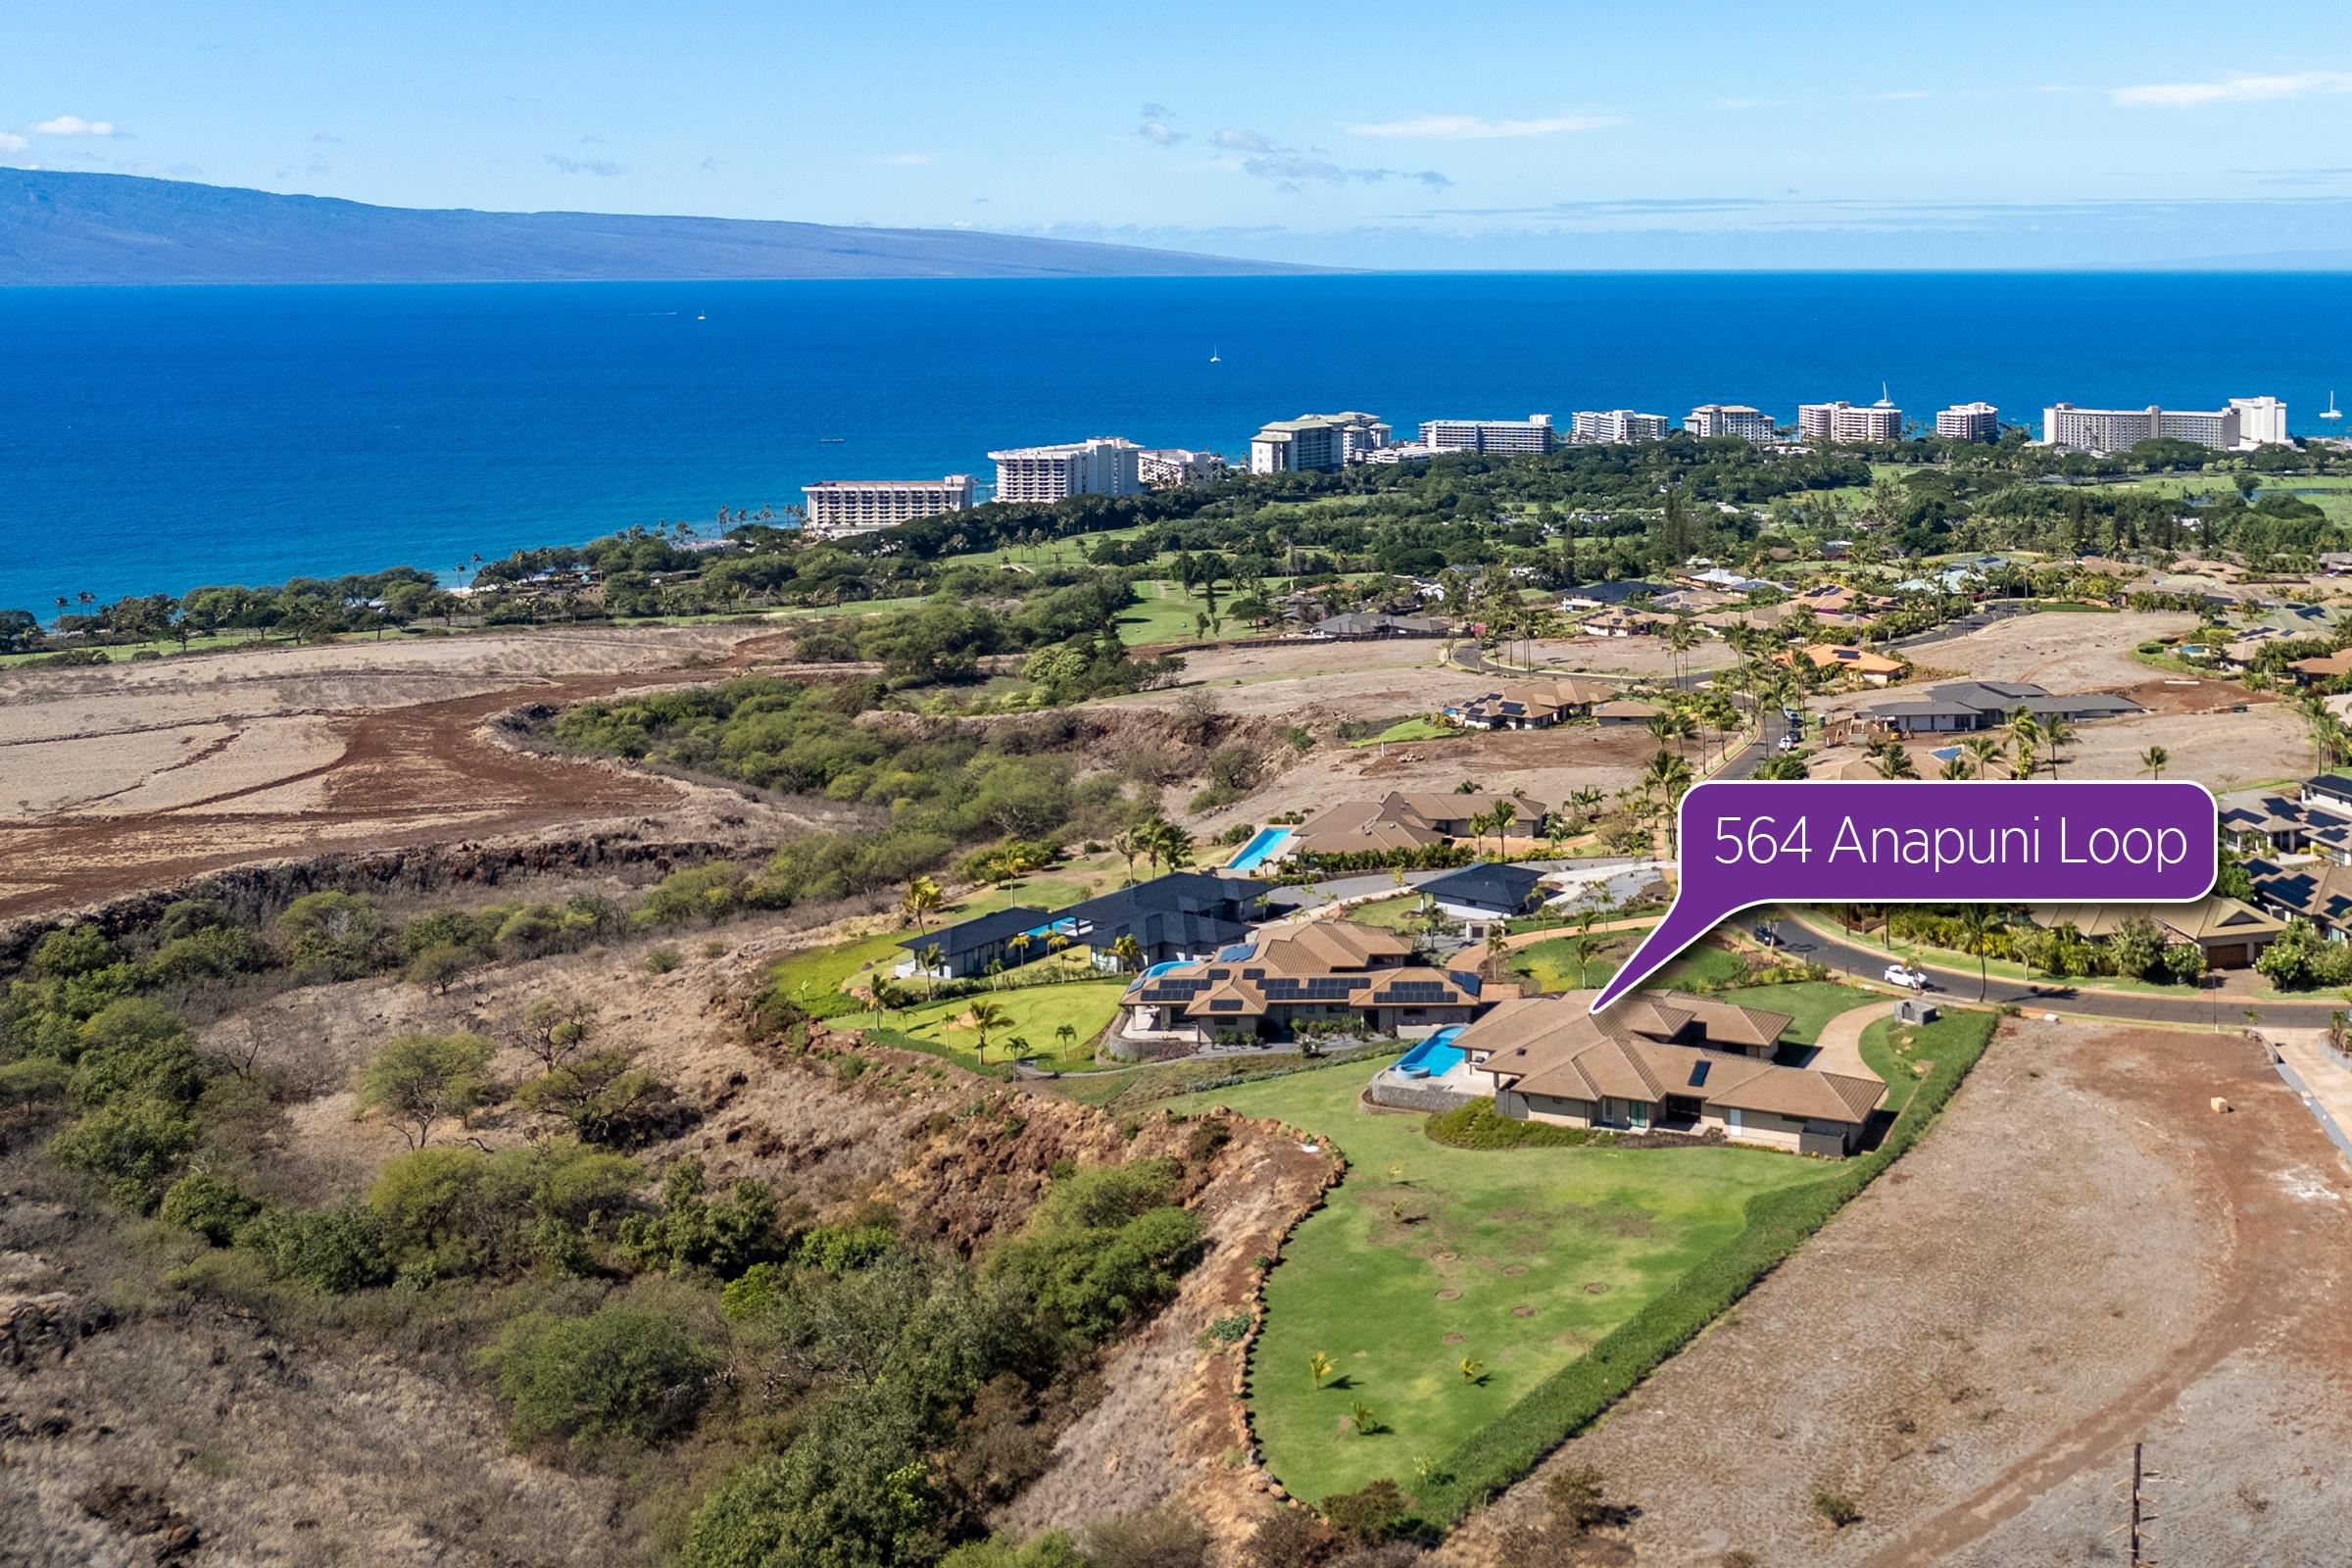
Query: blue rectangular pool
[
  {"x": 1433, "y": 1057},
  {"x": 1262, "y": 846}
]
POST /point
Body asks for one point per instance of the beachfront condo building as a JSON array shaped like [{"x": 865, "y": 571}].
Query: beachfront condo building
[
  {"x": 1101, "y": 465},
  {"x": 2240, "y": 425},
  {"x": 837, "y": 507},
  {"x": 1533, "y": 434},
  {"x": 1617, "y": 426},
  {"x": 1970, "y": 422},
  {"x": 1170, "y": 467},
  {"x": 1844, "y": 422},
  {"x": 1316, "y": 443},
  {"x": 1729, "y": 418}
]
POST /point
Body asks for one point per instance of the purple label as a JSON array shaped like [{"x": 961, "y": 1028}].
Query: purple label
[{"x": 1744, "y": 842}]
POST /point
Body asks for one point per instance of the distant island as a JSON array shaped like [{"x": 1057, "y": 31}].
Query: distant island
[{"x": 75, "y": 229}]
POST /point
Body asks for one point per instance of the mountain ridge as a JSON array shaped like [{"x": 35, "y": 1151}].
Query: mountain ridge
[{"x": 59, "y": 227}]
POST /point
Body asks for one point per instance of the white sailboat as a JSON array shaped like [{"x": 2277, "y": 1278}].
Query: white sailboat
[
  {"x": 2331, "y": 412},
  {"x": 1212, "y": 355}
]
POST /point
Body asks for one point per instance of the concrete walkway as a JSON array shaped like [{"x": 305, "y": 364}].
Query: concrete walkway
[
  {"x": 1839, "y": 1045},
  {"x": 2319, "y": 1076}
]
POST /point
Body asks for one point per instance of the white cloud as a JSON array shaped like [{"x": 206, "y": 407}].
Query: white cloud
[
  {"x": 1242, "y": 141},
  {"x": 1735, "y": 105},
  {"x": 904, "y": 159},
  {"x": 600, "y": 168},
  {"x": 1901, "y": 95},
  {"x": 1470, "y": 127},
  {"x": 2237, "y": 88},
  {"x": 71, "y": 125},
  {"x": 11, "y": 142}
]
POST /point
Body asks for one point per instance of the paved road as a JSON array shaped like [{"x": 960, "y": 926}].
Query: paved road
[{"x": 2212, "y": 1007}]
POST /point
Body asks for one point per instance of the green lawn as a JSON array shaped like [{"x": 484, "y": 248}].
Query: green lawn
[
  {"x": 1167, "y": 614},
  {"x": 817, "y": 978},
  {"x": 1552, "y": 965},
  {"x": 1420, "y": 727},
  {"x": 1593, "y": 1233},
  {"x": 1810, "y": 1003},
  {"x": 1400, "y": 913},
  {"x": 1035, "y": 1013}
]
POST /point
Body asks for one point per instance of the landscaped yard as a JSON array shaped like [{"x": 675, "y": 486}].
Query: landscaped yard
[
  {"x": 1420, "y": 727},
  {"x": 1809, "y": 1003},
  {"x": 1552, "y": 965},
  {"x": 1035, "y": 1013},
  {"x": 1425, "y": 1256}
]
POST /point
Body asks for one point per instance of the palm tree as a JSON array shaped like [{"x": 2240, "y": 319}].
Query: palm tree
[
  {"x": 2025, "y": 736},
  {"x": 928, "y": 959},
  {"x": 1498, "y": 819},
  {"x": 922, "y": 901},
  {"x": 1587, "y": 801},
  {"x": 1896, "y": 762},
  {"x": 1127, "y": 847},
  {"x": 1066, "y": 1035},
  {"x": 1977, "y": 926},
  {"x": 1017, "y": 946},
  {"x": 2152, "y": 761},
  {"x": 1982, "y": 749},
  {"x": 1669, "y": 776},
  {"x": 1681, "y": 638},
  {"x": 1320, "y": 1366},
  {"x": 1128, "y": 952},
  {"x": 885, "y": 996},
  {"x": 2057, "y": 731},
  {"x": 984, "y": 1017}
]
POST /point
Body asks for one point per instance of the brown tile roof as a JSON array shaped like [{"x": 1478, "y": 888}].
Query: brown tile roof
[
  {"x": 2214, "y": 917},
  {"x": 1551, "y": 1046},
  {"x": 1301, "y": 961}
]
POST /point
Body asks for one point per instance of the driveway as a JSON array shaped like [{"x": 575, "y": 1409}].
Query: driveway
[{"x": 1839, "y": 1048}]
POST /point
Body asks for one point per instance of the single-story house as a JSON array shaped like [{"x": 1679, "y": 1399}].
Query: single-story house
[
  {"x": 2317, "y": 891},
  {"x": 1601, "y": 595},
  {"x": 2328, "y": 667},
  {"x": 1620, "y": 622},
  {"x": 1362, "y": 623},
  {"x": 2315, "y": 821},
  {"x": 1323, "y": 973},
  {"x": 968, "y": 948},
  {"x": 2231, "y": 933},
  {"x": 1663, "y": 1063},
  {"x": 1624, "y": 711},
  {"x": 1875, "y": 669},
  {"x": 1399, "y": 820},
  {"x": 1975, "y": 705},
  {"x": 1530, "y": 705},
  {"x": 1185, "y": 914},
  {"x": 1477, "y": 899}
]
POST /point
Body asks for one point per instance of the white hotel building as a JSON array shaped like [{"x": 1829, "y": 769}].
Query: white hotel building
[
  {"x": 837, "y": 506},
  {"x": 1617, "y": 426},
  {"x": 1843, "y": 421},
  {"x": 1729, "y": 418},
  {"x": 1316, "y": 443},
  {"x": 1533, "y": 434},
  {"x": 1101, "y": 466},
  {"x": 1169, "y": 468},
  {"x": 1970, "y": 422},
  {"x": 2241, "y": 425}
]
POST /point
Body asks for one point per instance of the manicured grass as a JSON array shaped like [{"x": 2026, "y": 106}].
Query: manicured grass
[
  {"x": 1704, "y": 966},
  {"x": 816, "y": 979},
  {"x": 1167, "y": 614},
  {"x": 1597, "y": 1231},
  {"x": 1810, "y": 1003},
  {"x": 1417, "y": 729},
  {"x": 1400, "y": 913},
  {"x": 1552, "y": 965},
  {"x": 1134, "y": 1088},
  {"x": 1036, "y": 1012}
]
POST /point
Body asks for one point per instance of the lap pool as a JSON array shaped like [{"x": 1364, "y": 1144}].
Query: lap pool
[{"x": 1262, "y": 846}]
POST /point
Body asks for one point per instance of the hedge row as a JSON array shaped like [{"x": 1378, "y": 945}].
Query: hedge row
[{"x": 1778, "y": 1223}]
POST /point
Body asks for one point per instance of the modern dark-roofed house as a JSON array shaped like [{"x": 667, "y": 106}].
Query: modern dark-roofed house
[
  {"x": 1327, "y": 973},
  {"x": 968, "y": 947},
  {"x": 1477, "y": 899},
  {"x": 1185, "y": 914},
  {"x": 1369, "y": 623},
  {"x": 1975, "y": 705}
]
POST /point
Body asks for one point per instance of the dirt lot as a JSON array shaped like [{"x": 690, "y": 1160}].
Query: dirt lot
[
  {"x": 117, "y": 778},
  {"x": 1974, "y": 1374},
  {"x": 2222, "y": 750},
  {"x": 2065, "y": 652},
  {"x": 1549, "y": 764}
]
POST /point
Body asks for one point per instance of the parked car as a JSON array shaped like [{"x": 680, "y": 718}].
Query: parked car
[
  {"x": 1765, "y": 934},
  {"x": 1789, "y": 743},
  {"x": 1908, "y": 978}
]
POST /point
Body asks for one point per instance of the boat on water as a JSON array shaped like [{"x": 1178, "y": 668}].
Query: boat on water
[
  {"x": 2331, "y": 412},
  {"x": 831, "y": 440},
  {"x": 1212, "y": 355}
]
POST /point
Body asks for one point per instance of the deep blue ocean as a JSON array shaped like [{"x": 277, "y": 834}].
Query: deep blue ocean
[{"x": 158, "y": 439}]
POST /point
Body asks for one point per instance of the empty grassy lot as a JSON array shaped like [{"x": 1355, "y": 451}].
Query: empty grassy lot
[
  {"x": 1033, "y": 1013},
  {"x": 1520, "y": 1259}
]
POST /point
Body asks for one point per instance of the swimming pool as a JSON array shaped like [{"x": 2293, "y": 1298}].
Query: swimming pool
[
  {"x": 1433, "y": 1057},
  {"x": 1262, "y": 848}
]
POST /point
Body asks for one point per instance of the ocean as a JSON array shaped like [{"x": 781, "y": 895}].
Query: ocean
[{"x": 156, "y": 439}]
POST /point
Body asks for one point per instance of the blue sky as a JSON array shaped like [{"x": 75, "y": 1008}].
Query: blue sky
[{"x": 1366, "y": 134}]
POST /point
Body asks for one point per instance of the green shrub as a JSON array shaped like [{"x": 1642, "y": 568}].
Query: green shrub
[
  {"x": 1479, "y": 1125},
  {"x": 211, "y": 1207},
  {"x": 335, "y": 1250},
  {"x": 1166, "y": 1537},
  {"x": 447, "y": 1212},
  {"x": 1376, "y": 1513},
  {"x": 333, "y": 936},
  {"x": 619, "y": 1372},
  {"x": 419, "y": 1081},
  {"x": 1836, "y": 1509},
  {"x": 663, "y": 960},
  {"x": 853, "y": 1491},
  {"x": 692, "y": 1230},
  {"x": 137, "y": 1046},
  {"x": 133, "y": 1143},
  {"x": 709, "y": 893},
  {"x": 1052, "y": 1550},
  {"x": 1103, "y": 1245},
  {"x": 33, "y": 1080}
]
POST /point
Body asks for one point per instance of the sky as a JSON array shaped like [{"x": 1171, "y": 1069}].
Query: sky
[{"x": 1371, "y": 134}]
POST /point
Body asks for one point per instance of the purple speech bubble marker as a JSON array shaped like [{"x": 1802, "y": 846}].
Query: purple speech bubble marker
[{"x": 1746, "y": 843}]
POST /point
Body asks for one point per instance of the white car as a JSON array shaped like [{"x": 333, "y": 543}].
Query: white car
[
  {"x": 1908, "y": 978},
  {"x": 1789, "y": 743}
]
